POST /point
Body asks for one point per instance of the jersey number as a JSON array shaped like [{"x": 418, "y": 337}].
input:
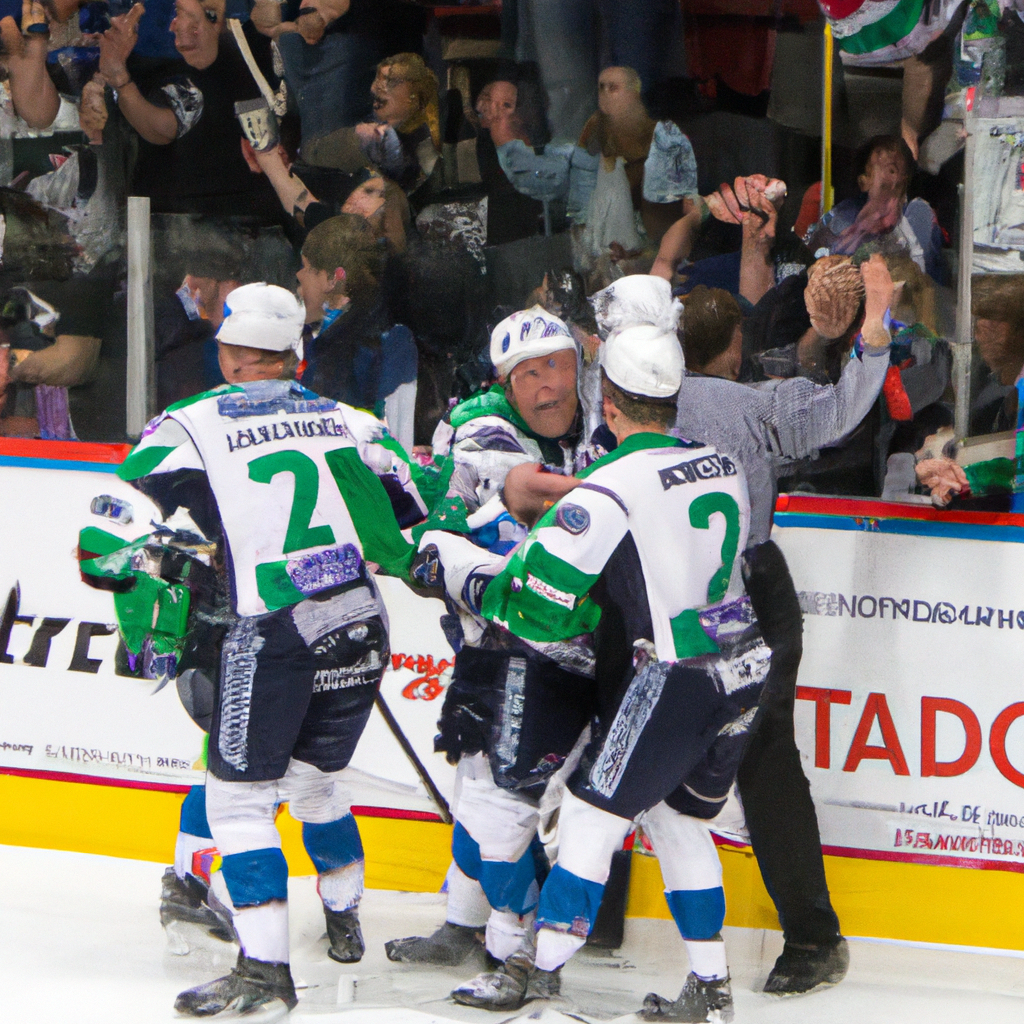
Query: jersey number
[
  {"x": 303, "y": 469},
  {"x": 701, "y": 511}
]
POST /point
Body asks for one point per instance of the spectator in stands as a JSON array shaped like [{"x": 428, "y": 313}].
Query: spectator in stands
[
  {"x": 403, "y": 139},
  {"x": 657, "y": 157},
  {"x": 186, "y": 323},
  {"x": 997, "y": 303},
  {"x": 712, "y": 333},
  {"x": 190, "y": 154},
  {"x": 353, "y": 350},
  {"x": 881, "y": 213},
  {"x": 509, "y": 107}
]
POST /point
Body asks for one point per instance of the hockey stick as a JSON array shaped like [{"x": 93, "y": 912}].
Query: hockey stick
[
  {"x": 243, "y": 47},
  {"x": 444, "y": 810}
]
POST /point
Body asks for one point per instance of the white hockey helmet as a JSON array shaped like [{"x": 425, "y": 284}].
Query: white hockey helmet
[
  {"x": 644, "y": 360},
  {"x": 636, "y": 299},
  {"x": 525, "y": 335},
  {"x": 263, "y": 316}
]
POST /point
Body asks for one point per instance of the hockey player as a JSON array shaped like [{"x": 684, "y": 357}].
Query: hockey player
[
  {"x": 764, "y": 428},
  {"x": 646, "y": 551},
  {"x": 302, "y": 493},
  {"x": 534, "y": 416}
]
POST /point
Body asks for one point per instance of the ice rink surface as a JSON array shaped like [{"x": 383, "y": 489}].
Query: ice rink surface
[{"x": 81, "y": 943}]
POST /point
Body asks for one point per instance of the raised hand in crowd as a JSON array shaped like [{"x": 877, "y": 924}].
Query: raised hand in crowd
[
  {"x": 677, "y": 242},
  {"x": 316, "y": 15},
  {"x": 157, "y": 125},
  {"x": 33, "y": 94},
  {"x": 752, "y": 201},
  {"x": 759, "y": 218},
  {"x": 312, "y": 22},
  {"x": 878, "y": 297},
  {"x": 117, "y": 43},
  {"x": 92, "y": 110},
  {"x": 730, "y": 203},
  {"x": 290, "y": 189}
]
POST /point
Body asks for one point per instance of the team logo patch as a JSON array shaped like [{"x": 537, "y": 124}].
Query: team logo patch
[
  {"x": 573, "y": 519},
  {"x": 505, "y": 342}
]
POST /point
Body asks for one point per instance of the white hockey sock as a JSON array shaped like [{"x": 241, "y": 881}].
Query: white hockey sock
[
  {"x": 263, "y": 931},
  {"x": 342, "y": 888},
  {"x": 555, "y": 948},
  {"x": 707, "y": 959},
  {"x": 467, "y": 904},
  {"x": 184, "y": 846},
  {"x": 505, "y": 932}
]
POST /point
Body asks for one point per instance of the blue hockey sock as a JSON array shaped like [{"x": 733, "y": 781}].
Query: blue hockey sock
[
  {"x": 508, "y": 885},
  {"x": 336, "y": 850},
  {"x": 698, "y": 913},
  {"x": 256, "y": 877},
  {"x": 569, "y": 903}
]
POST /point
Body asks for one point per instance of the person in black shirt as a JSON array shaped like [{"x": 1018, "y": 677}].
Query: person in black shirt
[{"x": 190, "y": 158}]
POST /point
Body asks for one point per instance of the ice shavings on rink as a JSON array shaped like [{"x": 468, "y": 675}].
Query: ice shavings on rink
[{"x": 80, "y": 941}]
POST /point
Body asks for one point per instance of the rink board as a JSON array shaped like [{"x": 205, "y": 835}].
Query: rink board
[{"x": 920, "y": 824}]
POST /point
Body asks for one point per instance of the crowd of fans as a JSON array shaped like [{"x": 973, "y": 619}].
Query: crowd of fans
[{"x": 323, "y": 141}]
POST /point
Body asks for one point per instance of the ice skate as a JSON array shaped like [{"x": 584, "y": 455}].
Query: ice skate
[
  {"x": 806, "y": 968},
  {"x": 449, "y": 946},
  {"x": 699, "y": 1000},
  {"x": 345, "y": 936},
  {"x": 260, "y": 991},
  {"x": 188, "y": 901},
  {"x": 510, "y": 986}
]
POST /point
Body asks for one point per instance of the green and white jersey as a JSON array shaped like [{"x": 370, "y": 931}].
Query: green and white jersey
[
  {"x": 671, "y": 518},
  {"x": 306, "y": 489}
]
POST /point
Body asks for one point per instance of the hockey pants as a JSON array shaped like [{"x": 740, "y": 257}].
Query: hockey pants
[
  {"x": 297, "y": 687},
  {"x": 669, "y": 724}
]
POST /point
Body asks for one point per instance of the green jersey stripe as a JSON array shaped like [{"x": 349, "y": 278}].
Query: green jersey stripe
[
  {"x": 372, "y": 516},
  {"x": 143, "y": 459}
]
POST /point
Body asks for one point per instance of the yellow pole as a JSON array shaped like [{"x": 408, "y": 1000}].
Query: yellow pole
[{"x": 827, "y": 196}]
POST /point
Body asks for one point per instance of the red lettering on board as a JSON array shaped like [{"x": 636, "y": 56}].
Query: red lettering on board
[
  {"x": 823, "y": 701},
  {"x": 997, "y": 743},
  {"x": 930, "y": 706},
  {"x": 877, "y": 707}
]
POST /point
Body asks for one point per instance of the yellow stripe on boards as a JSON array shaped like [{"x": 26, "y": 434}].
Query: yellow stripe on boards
[{"x": 884, "y": 899}]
